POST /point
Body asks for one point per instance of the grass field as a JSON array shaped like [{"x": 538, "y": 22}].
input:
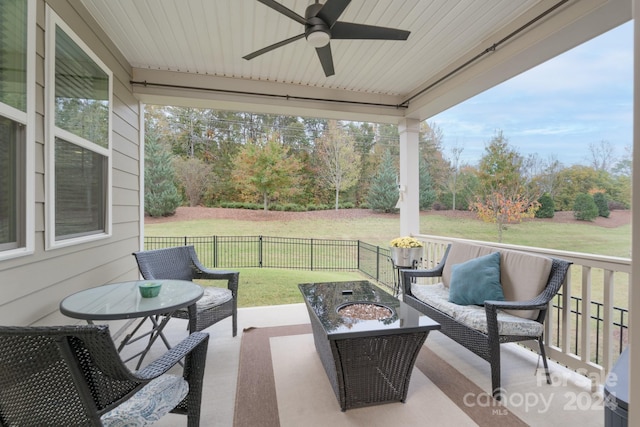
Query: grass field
[
  {"x": 271, "y": 286},
  {"x": 379, "y": 231}
]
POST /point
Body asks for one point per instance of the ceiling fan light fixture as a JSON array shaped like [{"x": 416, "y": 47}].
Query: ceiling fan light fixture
[{"x": 318, "y": 38}]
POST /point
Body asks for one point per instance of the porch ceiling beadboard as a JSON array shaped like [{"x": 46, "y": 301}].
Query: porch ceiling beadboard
[{"x": 210, "y": 38}]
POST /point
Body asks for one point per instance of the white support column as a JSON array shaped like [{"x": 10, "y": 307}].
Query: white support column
[
  {"x": 634, "y": 297},
  {"x": 409, "y": 184}
]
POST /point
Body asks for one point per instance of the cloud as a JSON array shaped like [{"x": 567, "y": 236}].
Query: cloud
[{"x": 558, "y": 108}]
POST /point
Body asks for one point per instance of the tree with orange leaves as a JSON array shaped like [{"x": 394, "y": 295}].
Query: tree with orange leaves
[
  {"x": 504, "y": 198},
  {"x": 503, "y": 207}
]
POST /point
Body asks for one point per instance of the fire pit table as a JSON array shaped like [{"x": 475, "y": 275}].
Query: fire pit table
[{"x": 367, "y": 340}]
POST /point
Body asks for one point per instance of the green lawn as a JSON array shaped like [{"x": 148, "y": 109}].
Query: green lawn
[
  {"x": 271, "y": 286},
  {"x": 275, "y": 286},
  {"x": 379, "y": 231}
]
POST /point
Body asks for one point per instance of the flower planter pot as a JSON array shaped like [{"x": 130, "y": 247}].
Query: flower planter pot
[{"x": 405, "y": 257}]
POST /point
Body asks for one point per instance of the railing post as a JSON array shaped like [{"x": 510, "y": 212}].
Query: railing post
[
  {"x": 311, "y": 251},
  {"x": 585, "y": 330},
  {"x": 608, "y": 356},
  {"x": 215, "y": 252},
  {"x": 378, "y": 263},
  {"x": 260, "y": 251}
]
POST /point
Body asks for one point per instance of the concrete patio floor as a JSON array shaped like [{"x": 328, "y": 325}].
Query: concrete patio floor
[{"x": 567, "y": 402}]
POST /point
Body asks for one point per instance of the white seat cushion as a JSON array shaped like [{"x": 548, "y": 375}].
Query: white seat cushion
[
  {"x": 149, "y": 404},
  {"x": 474, "y": 316},
  {"x": 213, "y": 296}
]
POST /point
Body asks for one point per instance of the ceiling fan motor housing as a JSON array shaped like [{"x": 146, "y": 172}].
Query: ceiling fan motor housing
[{"x": 314, "y": 25}]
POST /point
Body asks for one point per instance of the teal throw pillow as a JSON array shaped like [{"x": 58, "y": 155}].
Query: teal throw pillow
[{"x": 476, "y": 281}]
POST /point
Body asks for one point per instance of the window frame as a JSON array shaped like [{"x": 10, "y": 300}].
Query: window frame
[
  {"x": 26, "y": 155},
  {"x": 53, "y": 132}
]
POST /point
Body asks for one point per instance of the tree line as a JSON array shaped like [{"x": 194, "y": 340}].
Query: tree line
[{"x": 261, "y": 161}]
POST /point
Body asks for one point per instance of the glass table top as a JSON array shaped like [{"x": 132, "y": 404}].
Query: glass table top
[
  {"x": 123, "y": 300},
  {"x": 325, "y": 299}
]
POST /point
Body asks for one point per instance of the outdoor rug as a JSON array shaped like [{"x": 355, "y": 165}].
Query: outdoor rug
[{"x": 281, "y": 382}]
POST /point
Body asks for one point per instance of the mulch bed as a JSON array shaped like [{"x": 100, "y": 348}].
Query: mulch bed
[{"x": 616, "y": 219}]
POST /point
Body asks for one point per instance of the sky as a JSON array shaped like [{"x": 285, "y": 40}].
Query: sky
[{"x": 556, "y": 109}]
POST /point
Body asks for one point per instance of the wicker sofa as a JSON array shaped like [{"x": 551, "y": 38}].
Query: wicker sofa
[{"x": 528, "y": 283}]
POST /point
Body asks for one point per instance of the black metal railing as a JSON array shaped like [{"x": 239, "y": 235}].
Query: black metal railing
[{"x": 597, "y": 351}]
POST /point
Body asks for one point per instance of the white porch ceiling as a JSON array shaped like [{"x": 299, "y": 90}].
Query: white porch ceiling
[{"x": 200, "y": 43}]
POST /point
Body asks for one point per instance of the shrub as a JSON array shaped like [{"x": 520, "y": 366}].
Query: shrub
[
  {"x": 602, "y": 203},
  {"x": 445, "y": 201},
  {"x": 294, "y": 207},
  {"x": 547, "y": 207},
  {"x": 614, "y": 206},
  {"x": 437, "y": 206},
  {"x": 252, "y": 206},
  {"x": 585, "y": 207}
]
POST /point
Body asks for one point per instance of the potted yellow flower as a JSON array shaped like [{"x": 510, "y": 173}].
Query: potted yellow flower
[{"x": 405, "y": 251}]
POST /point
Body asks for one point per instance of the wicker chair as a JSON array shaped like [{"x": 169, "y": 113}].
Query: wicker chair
[
  {"x": 181, "y": 263},
  {"x": 73, "y": 375}
]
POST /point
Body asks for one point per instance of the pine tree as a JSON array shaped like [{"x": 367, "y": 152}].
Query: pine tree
[
  {"x": 585, "y": 208},
  {"x": 603, "y": 204},
  {"x": 383, "y": 193},
  {"x": 161, "y": 196},
  {"x": 547, "y": 207},
  {"x": 427, "y": 192}
]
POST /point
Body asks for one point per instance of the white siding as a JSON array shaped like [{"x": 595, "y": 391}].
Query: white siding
[{"x": 32, "y": 286}]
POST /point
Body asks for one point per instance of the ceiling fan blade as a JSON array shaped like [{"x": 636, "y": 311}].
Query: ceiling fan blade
[
  {"x": 324, "y": 54},
  {"x": 284, "y": 10},
  {"x": 332, "y": 10},
  {"x": 273, "y": 46},
  {"x": 349, "y": 30}
]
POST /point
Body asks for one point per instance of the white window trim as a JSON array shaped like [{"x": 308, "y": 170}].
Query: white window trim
[
  {"x": 52, "y": 131},
  {"x": 28, "y": 119}
]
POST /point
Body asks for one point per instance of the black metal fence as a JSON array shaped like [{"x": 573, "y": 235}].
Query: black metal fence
[{"x": 286, "y": 252}]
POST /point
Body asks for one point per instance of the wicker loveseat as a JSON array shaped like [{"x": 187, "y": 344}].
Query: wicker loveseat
[{"x": 528, "y": 283}]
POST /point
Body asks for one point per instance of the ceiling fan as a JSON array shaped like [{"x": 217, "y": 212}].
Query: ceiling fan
[{"x": 321, "y": 25}]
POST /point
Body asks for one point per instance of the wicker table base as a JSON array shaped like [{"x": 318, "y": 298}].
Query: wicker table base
[{"x": 367, "y": 362}]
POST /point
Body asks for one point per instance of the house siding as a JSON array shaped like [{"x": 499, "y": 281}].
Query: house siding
[{"x": 33, "y": 285}]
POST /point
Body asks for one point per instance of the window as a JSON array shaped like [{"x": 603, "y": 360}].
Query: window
[
  {"x": 17, "y": 79},
  {"x": 79, "y": 117},
  {"x": 11, "y": 182}
]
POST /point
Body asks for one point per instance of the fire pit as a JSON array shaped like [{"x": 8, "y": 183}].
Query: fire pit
[
  {"x": 365, "y": 311},
  {"x": 367, "y": 340}
]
